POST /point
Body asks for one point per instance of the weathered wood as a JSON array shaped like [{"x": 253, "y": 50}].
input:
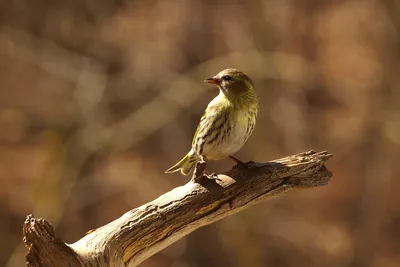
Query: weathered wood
[{"x": 144, "y": 231}]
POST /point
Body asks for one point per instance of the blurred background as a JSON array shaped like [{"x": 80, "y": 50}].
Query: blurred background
[{"x": 99, "y": 98}]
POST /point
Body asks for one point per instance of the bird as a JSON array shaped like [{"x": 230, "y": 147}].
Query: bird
[{"x": 227, "y": 123}]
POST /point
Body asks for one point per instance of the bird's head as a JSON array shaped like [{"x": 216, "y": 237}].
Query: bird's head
[{"x": 233, "y": 83}]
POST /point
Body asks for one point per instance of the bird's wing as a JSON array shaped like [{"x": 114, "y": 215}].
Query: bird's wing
[
  {"x": 214, "y": 112},
  {"x": 198, "y": 127}
]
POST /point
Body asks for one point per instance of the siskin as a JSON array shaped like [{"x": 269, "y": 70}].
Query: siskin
[{"x": 227, "y": 123}]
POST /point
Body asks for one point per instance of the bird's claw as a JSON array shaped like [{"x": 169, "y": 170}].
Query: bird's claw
[{"x": 212, "y": 176}]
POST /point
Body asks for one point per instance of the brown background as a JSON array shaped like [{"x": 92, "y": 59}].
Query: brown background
[{"x": 98, "y": 98}]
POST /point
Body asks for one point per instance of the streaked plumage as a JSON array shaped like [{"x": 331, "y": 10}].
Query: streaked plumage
[{"x": 227, "y": 123}]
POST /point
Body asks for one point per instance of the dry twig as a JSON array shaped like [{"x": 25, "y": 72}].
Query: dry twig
[{"x": 144, "y": 231}]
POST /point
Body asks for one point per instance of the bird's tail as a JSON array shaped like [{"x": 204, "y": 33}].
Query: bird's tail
[{"x": 186, "y": 164}]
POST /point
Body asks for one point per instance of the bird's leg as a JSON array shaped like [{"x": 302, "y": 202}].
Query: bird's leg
[
  {"x": 238, "y": 161},
  {"x": 205, "y": 165},
  {"x": 241, "y": 163},
  {"x": 205, "y": 174}
]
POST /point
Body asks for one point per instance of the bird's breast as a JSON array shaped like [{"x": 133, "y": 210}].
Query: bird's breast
[{"x": 234, "y": 133}]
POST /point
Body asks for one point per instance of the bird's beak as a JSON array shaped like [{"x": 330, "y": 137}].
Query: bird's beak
[{"x": 212, "y": 80}]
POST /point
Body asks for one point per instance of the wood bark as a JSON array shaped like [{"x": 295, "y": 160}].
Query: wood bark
[{"x": 143, "y": 231}]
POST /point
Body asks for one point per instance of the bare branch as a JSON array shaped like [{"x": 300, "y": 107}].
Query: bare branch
[{"x": 144, "y": 231}]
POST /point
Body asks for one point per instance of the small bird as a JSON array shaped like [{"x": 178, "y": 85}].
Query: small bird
[{"x": 227, "y": 123}]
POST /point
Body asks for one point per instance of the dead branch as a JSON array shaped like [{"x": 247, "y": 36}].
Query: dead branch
[{"x": 144, "y": 231}]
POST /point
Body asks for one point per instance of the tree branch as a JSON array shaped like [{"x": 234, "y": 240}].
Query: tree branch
[{"x": 144, "y": 231}]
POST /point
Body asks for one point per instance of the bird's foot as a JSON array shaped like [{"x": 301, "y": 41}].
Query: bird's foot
[
  {"x": 242, "y": 164},
  {"x": 238, "y": 161},
  {"x": 211, "y": 176}
]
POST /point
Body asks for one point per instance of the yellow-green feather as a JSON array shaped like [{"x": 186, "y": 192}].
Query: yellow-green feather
[
  {"x": 185, "y": 165},
  {"x": 234, "y": 109}
]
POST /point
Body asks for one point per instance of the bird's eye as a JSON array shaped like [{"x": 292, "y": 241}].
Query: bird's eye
[{"x": 227, "y": 78}]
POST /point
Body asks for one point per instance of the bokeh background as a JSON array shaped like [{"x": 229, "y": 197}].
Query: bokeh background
[{"x": 98, "y": 98}]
